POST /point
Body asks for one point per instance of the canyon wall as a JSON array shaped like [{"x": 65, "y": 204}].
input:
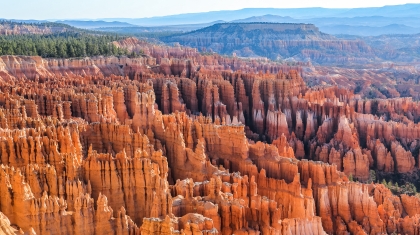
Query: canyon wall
[{"x": 176, "y": 142}]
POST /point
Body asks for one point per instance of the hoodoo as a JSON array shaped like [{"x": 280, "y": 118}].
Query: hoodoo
[{"x": 155, "y": 139}]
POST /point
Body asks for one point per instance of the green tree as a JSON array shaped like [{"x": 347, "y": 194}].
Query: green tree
[
  {"x": 61, "y": 45},
  {"x": 372, "y": 176},
  {"x": 384, "y": 182}
]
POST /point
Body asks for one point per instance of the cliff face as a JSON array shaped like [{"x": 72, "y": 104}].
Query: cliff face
[
  {"x": 7, "y": 28},
  {"x": 180, "y": 143},
  {"x": 300, "y": 42}
]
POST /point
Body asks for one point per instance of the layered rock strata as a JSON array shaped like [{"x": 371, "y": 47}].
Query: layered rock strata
[{"x": 132, "y": 146}]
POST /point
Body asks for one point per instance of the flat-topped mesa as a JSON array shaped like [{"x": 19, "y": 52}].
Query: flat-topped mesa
[
  {"x": 277, "y": 27},
  {"x": 274, "y": 40},
  {"x": 280, "y": 30}
]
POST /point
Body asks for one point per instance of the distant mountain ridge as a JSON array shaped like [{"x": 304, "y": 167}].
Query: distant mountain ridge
[
  {"x": 406, "y": 10},
  {"x": 17, "y": 27},
  {"x": 225, "y": 15},
  {"x": 133, "y": 30},
  {"x": 369, "y": 30},
  {"x": 371, "y": 21},
  {"x": 85, "y": 24}
]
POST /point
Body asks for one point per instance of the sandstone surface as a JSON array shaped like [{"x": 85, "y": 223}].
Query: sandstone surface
[{"x": 176, "y": 142}]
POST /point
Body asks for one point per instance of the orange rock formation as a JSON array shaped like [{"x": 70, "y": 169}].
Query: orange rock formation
[{"x": 180, "y": 143}]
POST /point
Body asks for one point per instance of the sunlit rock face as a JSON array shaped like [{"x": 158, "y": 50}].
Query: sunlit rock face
[{"x": 176, "y": 142}]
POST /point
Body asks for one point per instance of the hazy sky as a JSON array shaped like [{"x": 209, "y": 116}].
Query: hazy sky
[{"x": 92, "y": 9}]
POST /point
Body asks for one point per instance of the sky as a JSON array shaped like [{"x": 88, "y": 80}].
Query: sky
[{"x": 95, "y": 9}]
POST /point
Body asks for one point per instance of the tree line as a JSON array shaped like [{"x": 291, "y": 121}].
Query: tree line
[
  {"x": 38, "y": 24},
  {"x": 61, "y": 45}
]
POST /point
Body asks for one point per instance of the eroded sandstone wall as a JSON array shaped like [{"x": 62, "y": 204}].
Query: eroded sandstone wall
[{"x": 131, "y": 146}]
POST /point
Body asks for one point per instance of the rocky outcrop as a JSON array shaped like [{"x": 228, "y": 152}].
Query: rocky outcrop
[
  {"x": 13, "y": 28},
  {"x": 5, "y": 227},
  {"x": 195, "y": 151}
]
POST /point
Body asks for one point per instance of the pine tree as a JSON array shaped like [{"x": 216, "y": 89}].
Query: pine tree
[{"x": 60, "y": 45}]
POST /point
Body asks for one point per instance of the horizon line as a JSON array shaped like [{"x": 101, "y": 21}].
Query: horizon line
[{"x": 202, "y": 12}]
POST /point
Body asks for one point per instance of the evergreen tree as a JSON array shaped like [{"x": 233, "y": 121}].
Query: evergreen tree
[{"x": 62, "y": 45}]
